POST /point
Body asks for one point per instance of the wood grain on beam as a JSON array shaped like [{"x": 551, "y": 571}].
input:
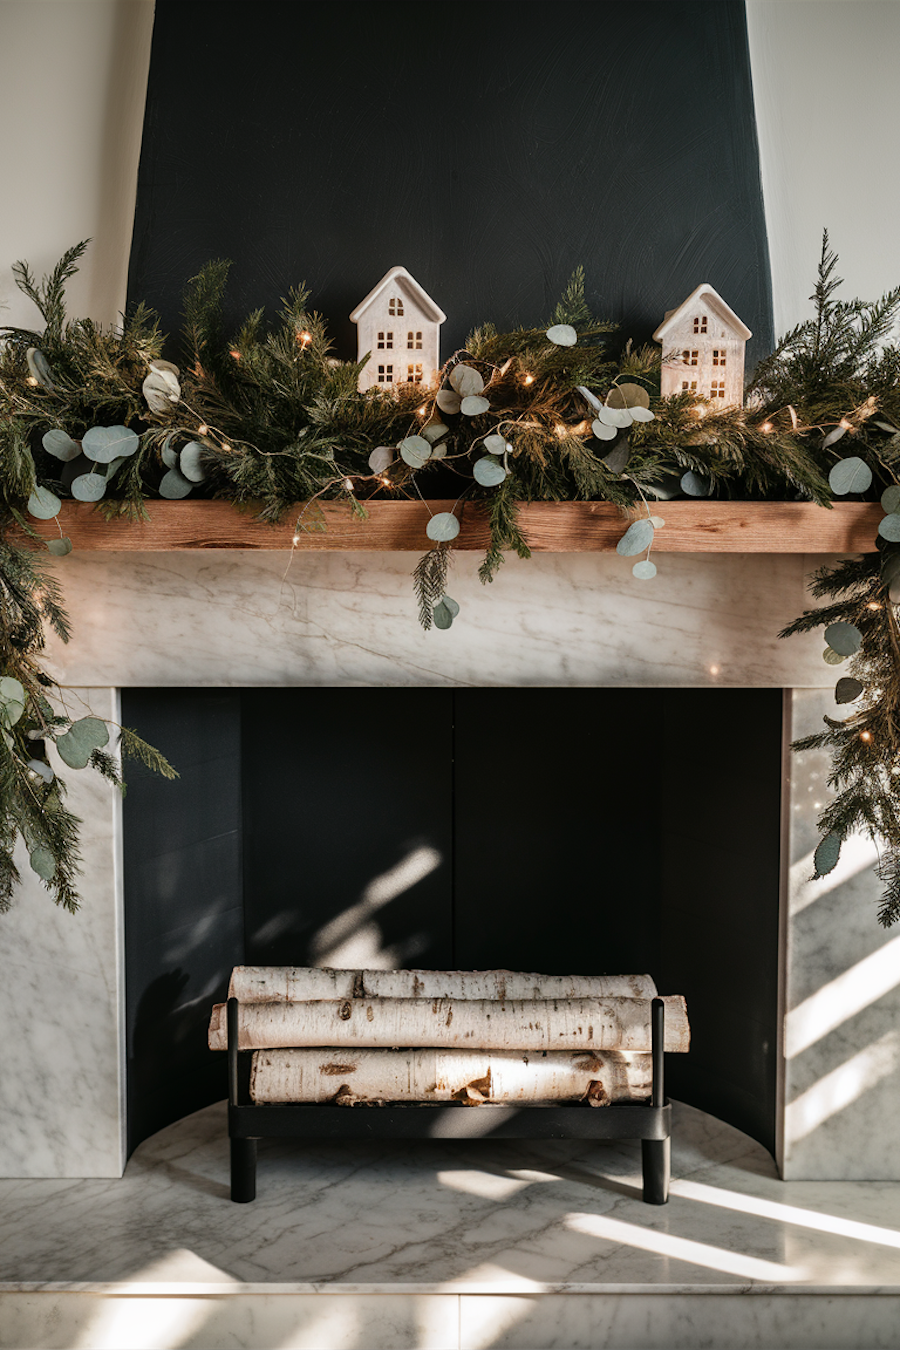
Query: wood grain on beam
[{"x": 550, "y": 527}]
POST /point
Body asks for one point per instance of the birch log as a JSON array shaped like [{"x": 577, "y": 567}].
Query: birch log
[
  {"x": 346, "y": 1078},
  {"x": 482, "y": 1024},
  {"x": 296, "y": 984}
]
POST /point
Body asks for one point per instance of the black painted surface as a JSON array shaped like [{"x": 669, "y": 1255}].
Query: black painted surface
[
  {"x": 720, "y": 775},
  {"x": 183, "y": 899},
  {"x": 569, "y": 830},
  {"x": 490, "y": 149}
]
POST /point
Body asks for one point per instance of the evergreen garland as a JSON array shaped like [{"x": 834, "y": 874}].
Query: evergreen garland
[{"x": 267, "y": 418}]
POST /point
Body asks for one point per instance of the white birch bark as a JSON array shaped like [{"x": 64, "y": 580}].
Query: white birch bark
[
  {"x": 482, "y": 1024},
  {"x": 295, "y": 984},
  {"x": 347, "y": 1077}
]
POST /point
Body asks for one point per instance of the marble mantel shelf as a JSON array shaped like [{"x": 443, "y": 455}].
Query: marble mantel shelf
[{"x": 549, "y": 527}]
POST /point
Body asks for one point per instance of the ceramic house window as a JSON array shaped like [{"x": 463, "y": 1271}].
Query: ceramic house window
[
  {"x": 718, "y": 356},
  {"x": 692, "y": 386},
  {"x": 414, "y": 342},
  {"x": 700, "y": 324},
  {"x": 385, "y": 340},
  {"x": 385, "y": 374},
  {"x": 414, "y": 373},
  {"x": 690, "y": 357},
  {"x": 717, "y": 389},
  {"x": 395, "y": 308}
]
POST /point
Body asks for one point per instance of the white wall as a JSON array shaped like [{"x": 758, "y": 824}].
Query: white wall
[
  {"x": 827, "y": 110},
  {"x": 73, "y": 81}
]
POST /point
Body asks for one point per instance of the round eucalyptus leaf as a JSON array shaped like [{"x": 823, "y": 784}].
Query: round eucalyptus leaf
[
  {"x": 448, "y": 401},
  {"x": 473, "y": 404},
  {"x": 381, "y": 458},
  {"x": 637, "y": 538},
  {"x": 439, "y": 450},
  {"x": 169, "y": 453},
  {"x": 494, "y": 444},
  {"x": 850, "y": 475},
  {"x": 466, "y": 380},
  {"x": 591, "y": 399},
  {"x": 43, "y": 504},
  {"x": 614, "y": 417},
  {"x": 695, "y": 485},
  {"x": 441, "y": 615},
  {"x": 41, "y": 769},
  {"x": 847, "y": 690},
  {"x": 173, "y": 485},
  {"x": 886, "y": 426},
  {"x": 7, "y": 739},
  {"x": 451, "y": 605},
  {"x": 434, "y": 431},
  {"x": 604, "y": 432},
  {"x": 889, "y": 528},
  {"x": 89, "y": 487},
  {"x": 60, "y": 444},
  {"x": 43, "y": 862},
  {"x": 833, "y": 658},
  {"x": 76, "y": 745},
  {"x": 833, "y": 436},
  {"x": 59, "y": 547},
  {"x": 161, "y": 389},
  {"x": 415, "y": 451},
  {"x": 617, "y": 459},
  {"x": 12, "y": 695},
  {"x": 442, "y": 527},
  {"x": 890, "y": 499},
  {"x": 657, "y": 522},
  {"x": 489, "y": 472},
  {"x": 562, "y": 334},
  {"x": 645, "y": 570},
  {"x": 641, "y": 415},
  {"x": 890, "y": 565},
  {"x": 628, "y": 396},
  {"x": 103, "y": 444},
  {"x": 827, "y": 854},
  {"x": 191, "y": 464},
  {"x": 844, "y": 638},
  {"x": 39, "y": 368}
]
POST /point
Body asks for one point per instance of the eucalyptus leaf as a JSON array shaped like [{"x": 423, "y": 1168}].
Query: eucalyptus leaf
[
  {"x": 191, "y": 464},
  {"x": 451, "y": 605},
  {"x": 434, "y": 431},
  {"x": 43, "y": 504},
  {"x": 695, "y": 485},
  {"x": 591, "y": 399},
  {"x": 604, "y": 432},
  {"x": 39, "y": 368},
  {"x": 381, "y": 458},
  {"x": 562, "y": 334},
  {"x": 439, "y": 450},
  {"x": 847, "y": 690},
  {"x": 887, "y": 426},
  {"x": 12, "y": 700},
  {"x": 833, "y": 436},
  {"x": 169, "y": 454},
  {"x": 617, "y": 459},
  {"x": 889, "y": 528},
  {"x": 43, "y": 862},
  {"x": 441, "y": 615},
  {"x": 448, "y": 401},
  {"x": 443, "y": 527},
  {"x": 173, "y": 485},
  {"x": 472, "y": 405},
  {"x": 827, "y": 854},
  {"x": 637, "y": 538},
  {"x": 844, "y": 638},
  {"x": 833, "y": 658},
  {"x": 890, "y": 565},
  {"x": 489, "y": 472},
  {"x": 76, "y": 745},
  {"x": 494, "y": 444},
  {"x": 628, "y": 396},
  {"x": 645, "y": 570},
  {"x": 59, "y": 547},
  {"x": 850, "y": 475},
  {"x": 466, "y": 380},
  {"x": 890, "y": 499},
  {"x": 642, "y": 415},
  {"x": 415, "y": 451},
  {"x": 41, "y": 769},
  {"x": 60, "y": 444},
  {"x": 161, "y": 389},
  {"x": 103, "y": 444},
  {"x": 89, "y": 487},
  {"x": 657, "y": 522},
  {"x": 614, "y": 417}
]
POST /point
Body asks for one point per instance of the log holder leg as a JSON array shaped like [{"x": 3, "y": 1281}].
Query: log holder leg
[
  {"x": 243, "y": 1151},
  {"x": 656, "y": 1153}
]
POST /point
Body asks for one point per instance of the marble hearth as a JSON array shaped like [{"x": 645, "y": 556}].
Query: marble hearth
[{"x": 234, "y": 618}]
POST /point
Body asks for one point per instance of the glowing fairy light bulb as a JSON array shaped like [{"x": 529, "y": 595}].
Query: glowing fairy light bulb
[
  {"x": 848, "y": 426},
  {"x": 203, "y": 429},
  {"x": 767, "y": 428},
  {"x": 347, "y": 484},
  {"x": 865, "y": 736},
  {"x": 528, "y": 379},
  {"x": 296, "y": 540},
  {"x": 304, "y": 338}
]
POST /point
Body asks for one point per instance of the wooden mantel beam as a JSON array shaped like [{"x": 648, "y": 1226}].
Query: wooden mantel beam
[{"x": 550, "y": 527}]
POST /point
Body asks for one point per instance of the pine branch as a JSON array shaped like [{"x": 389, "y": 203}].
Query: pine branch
[{"x": 430, "y": 581}]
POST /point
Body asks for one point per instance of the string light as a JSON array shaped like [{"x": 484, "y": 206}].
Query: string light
[
  {"x": 874, "y": 604},
  {"x": 766, "y": 428},
  {"x": 31, "y": 380},
  {"x": 528, "y": 379},
  {"x": 203, "y": 429},
  {"x": 347, "y": 484},
  {"x": 296, "y": 540},
  {"x": 420, "y": 412},
  {"x": 236, "y": 354},
  {"x": 865, "y": 736},
  {"x": 226, "y": 449},
  {"x": 386, "y": 481},
  {"x": 848, "y": 426},
  {"x": 699, "y": 411},
  {"x": 304, "y": 339},
  {"x": 561, "y": 429}
]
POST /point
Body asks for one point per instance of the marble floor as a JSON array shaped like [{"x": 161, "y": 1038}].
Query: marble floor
[{"x": 448, "y": 1245}]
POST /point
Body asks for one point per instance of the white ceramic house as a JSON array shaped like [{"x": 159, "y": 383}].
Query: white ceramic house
[
  {"x": 400, "y": 325},
  {"x": 703, "y": 348}
]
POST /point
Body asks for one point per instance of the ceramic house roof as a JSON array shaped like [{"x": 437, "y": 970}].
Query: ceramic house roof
[
  {"x": 406, "y": 282},
  {"x": 713, "y": 301}
]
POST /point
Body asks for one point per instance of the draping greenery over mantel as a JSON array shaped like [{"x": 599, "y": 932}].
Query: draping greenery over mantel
[{"x": 265, "y": 416}]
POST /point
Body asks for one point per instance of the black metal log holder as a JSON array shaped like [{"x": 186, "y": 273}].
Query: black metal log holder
[{"x": 648, "y": 1121}]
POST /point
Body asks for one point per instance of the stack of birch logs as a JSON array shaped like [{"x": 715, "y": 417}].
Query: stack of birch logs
[{"x": 374, "y": 1037}]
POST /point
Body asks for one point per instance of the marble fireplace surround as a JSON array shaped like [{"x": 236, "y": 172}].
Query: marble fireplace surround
[{"x": 237, "y": 617}]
